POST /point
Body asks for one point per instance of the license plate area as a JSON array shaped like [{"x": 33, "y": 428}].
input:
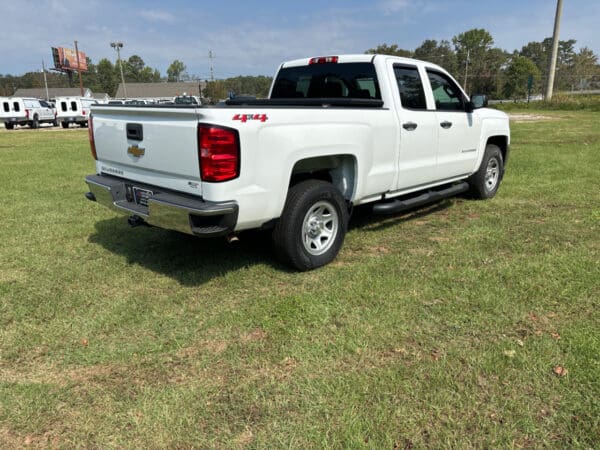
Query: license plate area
[{"x": 138, "y": 195}]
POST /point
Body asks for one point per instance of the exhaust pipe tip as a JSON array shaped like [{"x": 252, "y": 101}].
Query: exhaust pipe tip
[
  {"x": 135, "y": 221},
  {"x": 232, "y": 239}
]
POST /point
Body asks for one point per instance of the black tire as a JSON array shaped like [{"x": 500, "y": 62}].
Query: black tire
[
  {"x": 485, "y": 182},
  {"x": 65, "y": 125},
  {"x": 55, "y": 123},
  {"x": 35, "y": 123},
  {"x": 312, "y": 226},
  {"x": 9, "y": 126}
]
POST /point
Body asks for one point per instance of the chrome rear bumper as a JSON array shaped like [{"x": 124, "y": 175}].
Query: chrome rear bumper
[{"x": 164, "y": 208}]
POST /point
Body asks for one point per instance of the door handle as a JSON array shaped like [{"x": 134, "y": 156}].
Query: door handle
[
  {"x": 409, "y": 126},
  {"x": 446, "y": 124}
]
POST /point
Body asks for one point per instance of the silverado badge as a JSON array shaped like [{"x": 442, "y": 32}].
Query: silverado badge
[{"x": 136, "y": 151}]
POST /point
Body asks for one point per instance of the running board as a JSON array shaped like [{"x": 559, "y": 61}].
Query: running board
[{"x": 395, "y": 206}]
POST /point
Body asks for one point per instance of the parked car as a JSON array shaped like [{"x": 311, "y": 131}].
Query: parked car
[
  {"x": 26, "y": 111},
  {"x": 74, "y": 110},
  {"x": 187, "y": 100}
]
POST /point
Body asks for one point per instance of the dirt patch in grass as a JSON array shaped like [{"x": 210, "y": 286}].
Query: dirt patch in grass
[{"x": 525, "y": 117}]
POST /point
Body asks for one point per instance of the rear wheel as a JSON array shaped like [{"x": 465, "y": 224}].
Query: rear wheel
[
  {"x": 64, "y": 124},
  {"x": 35, "y": 123},
  {"x": 485, "y": 182},
  {"x": 9, "y": 126},
  {"x": 312, "y": 227}
]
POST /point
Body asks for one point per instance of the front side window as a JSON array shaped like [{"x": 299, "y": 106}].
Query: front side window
[
  {"x": 16, "y": 106},
  {"x": 447, "y": 95},
  {"x": 329, "y": 80},
  {"x": 63, "y": 106},
  {"x": 73, "y": 106},
  {"x": 6, "y": 106},
  {"x": 412, "y": 95}
]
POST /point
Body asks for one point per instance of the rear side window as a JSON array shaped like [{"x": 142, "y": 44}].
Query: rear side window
[
  {"x": 330, "y": 80},
  {"x": 410, "y": 87},
  {"x": 16, "y": 106},
  {"x": 73, "y": 106},
  {"x": 447, "y": 95},
  {"x": 63, "y": 106},
  {"x": 5, "y": 106}
]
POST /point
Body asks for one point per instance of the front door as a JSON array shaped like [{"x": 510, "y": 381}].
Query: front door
[{"x": 458, "y": 130}]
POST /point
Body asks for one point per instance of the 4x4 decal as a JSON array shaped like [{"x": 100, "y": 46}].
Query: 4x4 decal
[{"x": 246, "y": 117}]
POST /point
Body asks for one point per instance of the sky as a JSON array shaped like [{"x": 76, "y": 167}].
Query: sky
[{"x": 253, "y": 38}]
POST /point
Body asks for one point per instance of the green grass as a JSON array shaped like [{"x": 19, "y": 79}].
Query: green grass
[
  {"x": 559, "y": 102},
  {"x": 439, "y": 328}
]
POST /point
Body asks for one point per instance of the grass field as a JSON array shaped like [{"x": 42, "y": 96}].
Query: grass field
[{"x": 464, "y": 324}]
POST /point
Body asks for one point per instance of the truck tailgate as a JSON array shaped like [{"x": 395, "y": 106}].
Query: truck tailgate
[{"x": 148, "y": 141}]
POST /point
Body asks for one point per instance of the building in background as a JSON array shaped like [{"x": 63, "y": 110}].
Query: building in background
[
  {"x": 102, "y": 97},
  {"x": 161, "y": 91}
]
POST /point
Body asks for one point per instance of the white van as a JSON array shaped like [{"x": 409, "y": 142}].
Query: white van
[
  {"x": 25, "y": 111},
  {"x": 73, "y": 110}
]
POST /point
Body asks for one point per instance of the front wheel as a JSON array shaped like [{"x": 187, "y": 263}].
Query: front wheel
[
  {"x": 65, "y": 125},
  {"x": 485, "y": 182},
  {"x": 312, "y": 227},
  {"x": 9, "y": 126}
]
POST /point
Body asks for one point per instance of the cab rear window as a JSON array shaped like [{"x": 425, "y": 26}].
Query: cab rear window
[{"x": 329, "y": 80}]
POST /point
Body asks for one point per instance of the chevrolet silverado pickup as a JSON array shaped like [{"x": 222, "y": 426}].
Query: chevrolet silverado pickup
[{"x": 335, "y": 132}]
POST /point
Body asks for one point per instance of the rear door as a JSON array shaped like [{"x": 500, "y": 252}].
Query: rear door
[
  {"x": 418, "y": 130},
  {"x": 458, "y": 130}
]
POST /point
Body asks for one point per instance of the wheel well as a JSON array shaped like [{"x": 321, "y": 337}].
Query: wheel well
[
  {"x": 502, "y": 142},
  {"x": 340, "y": 170}
]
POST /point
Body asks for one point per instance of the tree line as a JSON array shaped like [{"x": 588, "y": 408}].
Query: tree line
[
  {"x": 471, "y": 57},
  {"x": 475, "y": 62}
]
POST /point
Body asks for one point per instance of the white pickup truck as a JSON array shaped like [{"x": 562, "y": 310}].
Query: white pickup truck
[{"x": 336, "y": 131}]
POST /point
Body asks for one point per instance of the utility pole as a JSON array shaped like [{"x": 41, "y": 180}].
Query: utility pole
[
  {"x": 79, "y": 70},
  {"x": 45, "y": 80},
  {"x": 212, "y": 69},
  {"x": 467, "y": 69},
  {"x": 552, "y": 66},
  {"x": 118, "y": 46}
]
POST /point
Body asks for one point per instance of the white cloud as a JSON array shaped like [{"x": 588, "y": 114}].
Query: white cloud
[
  {"x": 155, "y": 15},
  {"x": 394, "y": 6}
]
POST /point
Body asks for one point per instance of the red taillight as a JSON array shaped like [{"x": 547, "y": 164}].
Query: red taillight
[
  {"x": 323, "y": 60},
  {"x": 219, "y": 153},
  {"x": 27, "y": 114},
  {"x": 83, "y": 112},
  {"x": 91, "y": 135}
]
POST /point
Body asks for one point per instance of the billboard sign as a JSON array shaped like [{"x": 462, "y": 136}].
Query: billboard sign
[{"x": 66, "y": 59}]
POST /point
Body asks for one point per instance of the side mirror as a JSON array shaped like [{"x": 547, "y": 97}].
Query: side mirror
[{"x": 479, "y": 101}]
